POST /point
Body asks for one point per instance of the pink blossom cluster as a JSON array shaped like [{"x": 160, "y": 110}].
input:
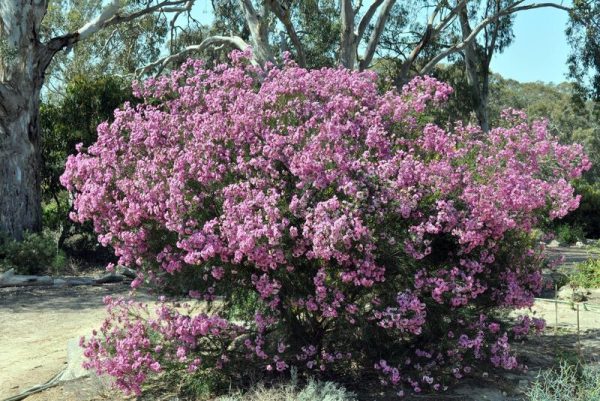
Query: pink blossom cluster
[
  {"x": 135, "y": 343},
  {"x": 361, "y": 227}
]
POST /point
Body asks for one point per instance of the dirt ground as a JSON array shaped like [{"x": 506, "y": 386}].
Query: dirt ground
[{"x": 36, "y": 323}]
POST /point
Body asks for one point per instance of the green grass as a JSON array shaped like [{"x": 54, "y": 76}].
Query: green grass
[{"x": 586, "y": 274}]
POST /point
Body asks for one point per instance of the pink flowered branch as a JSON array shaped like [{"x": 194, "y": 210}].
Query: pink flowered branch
[{"x": 359, "y": 226}]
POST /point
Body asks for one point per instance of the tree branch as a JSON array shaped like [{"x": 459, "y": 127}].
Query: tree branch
[
  {"x": 110, "y": 16},
  {"x": 451, "y": 15},
  {"x": 284, "y": 16},
  {"x": 507, "y": 11},
  {"x": 376, "y": 34},
  {"x": 259, "y": 30},
  {"x": 427, "y": 37},
  {"x": 366, "y": 19},
  {"x": 234, "y": 41}
]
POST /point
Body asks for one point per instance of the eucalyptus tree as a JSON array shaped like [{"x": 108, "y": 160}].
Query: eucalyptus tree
[
  {"x": 116, "y": 50},
  {"x": 462, "y": 32}
]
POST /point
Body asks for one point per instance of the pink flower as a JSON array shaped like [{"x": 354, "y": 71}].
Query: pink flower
[{"x": 327, "y": 206}]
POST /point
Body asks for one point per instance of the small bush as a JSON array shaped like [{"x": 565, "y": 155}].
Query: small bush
[
  {"x": 569, "y": 234},
  {"x": 587, "y": 274},
  {"x": 37, "y": 253},
  {"x": 567, "y": 383},
  {"x": 314, "y": 391}
]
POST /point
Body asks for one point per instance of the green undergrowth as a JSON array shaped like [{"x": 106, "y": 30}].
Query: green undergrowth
[{"x": 37, "y": 253}]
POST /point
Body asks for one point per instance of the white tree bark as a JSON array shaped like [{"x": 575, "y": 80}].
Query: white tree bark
[
  {"x": 10, "y": 279},
  {"x": 348, "y": 37},
  {"x": 259, "y": 29},
  {"x": 216, "y": 41},
  {"x": 386, "y": 9}
]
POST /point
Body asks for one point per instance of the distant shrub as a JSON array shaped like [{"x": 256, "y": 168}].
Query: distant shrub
[
  {"x": 37, "y": 253},
  {"x": 567, "y": 383},
  {"x": 569, "y": 234},
  {"x": 55, "y": 212},
  {"x": 587, "y": 274}
]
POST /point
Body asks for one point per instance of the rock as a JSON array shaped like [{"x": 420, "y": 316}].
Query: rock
[
  {"x": 579, "y": 296},
  {"x": 579, "y": 244},
  {"x": 554, "y": 244},
  {"x": 565, "y": 292},
  {"x": 75, "y": 359},
  {"x": 571, "y": 294},
  {"x": 79, "y": 383},
  {"x": 557, "y": 278},
  {"x": 59, "y": 282}
]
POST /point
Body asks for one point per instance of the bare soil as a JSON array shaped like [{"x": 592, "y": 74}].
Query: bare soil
[{"x": 35, "y": 324}]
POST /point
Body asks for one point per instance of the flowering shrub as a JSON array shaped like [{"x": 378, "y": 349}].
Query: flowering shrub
[{"x": 366, "y": 238}]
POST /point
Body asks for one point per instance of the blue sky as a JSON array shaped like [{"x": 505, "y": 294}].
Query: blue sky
[{"x": 540, "y": 49}]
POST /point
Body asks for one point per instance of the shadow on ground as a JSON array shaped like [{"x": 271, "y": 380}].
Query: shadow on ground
[
  {"x": 76, "y": 298},
  {"x": 539, "y": 354}
]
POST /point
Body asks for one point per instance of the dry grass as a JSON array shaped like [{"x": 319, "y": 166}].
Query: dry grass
[{"x": 313, "y": 391}]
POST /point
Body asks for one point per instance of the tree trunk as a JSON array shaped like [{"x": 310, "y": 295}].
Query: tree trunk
[
  {"x": 22, "y": 65},
  {"x": 348, "y": 39},
  {"x": 472, "y": 69},
  {"x": 10, "y": 279},
  {"x": 20, "y": 202},
  {"x": 483, "y": 114}
]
